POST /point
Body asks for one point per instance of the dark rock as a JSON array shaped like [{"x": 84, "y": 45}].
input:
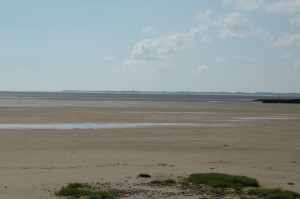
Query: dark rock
[{"x": 287, "y": 101}]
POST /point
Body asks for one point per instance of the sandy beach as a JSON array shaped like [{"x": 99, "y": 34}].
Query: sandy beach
[{"x": 257, "y": 140}]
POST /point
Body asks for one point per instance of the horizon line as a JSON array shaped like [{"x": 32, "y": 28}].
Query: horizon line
[{"x": 144, "y": 91}]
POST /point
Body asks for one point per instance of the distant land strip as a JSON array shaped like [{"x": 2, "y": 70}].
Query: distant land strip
[{"x": 286, "y": 101}]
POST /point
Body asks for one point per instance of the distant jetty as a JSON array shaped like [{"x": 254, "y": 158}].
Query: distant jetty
[{"x": 286, "y": 101}]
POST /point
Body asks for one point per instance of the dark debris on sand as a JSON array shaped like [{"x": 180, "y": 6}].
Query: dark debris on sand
[{"x": 176, "y": 191}]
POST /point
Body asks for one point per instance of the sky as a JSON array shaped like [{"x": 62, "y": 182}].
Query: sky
[{"x": 150, "y": 45}]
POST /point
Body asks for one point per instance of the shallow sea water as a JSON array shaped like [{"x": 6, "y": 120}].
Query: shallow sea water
[{"x": 111, "y": 125}]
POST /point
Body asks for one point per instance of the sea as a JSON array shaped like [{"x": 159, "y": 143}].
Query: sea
[
  {"x": 142, "y": 96},
  {"x": 132, "y": 98}
]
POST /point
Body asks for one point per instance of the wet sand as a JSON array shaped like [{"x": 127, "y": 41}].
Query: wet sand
[{"x": 260, "y": 141}]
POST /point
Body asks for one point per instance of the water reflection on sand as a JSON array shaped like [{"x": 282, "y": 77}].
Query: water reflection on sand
[{"x": 111, "y": 125}]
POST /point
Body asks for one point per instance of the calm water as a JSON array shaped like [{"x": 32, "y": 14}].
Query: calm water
[
  {"x": 117, "y": 125},
  {"x": 71, "y": 98},
  {"x": 151, "y": 96},
  {"x": 108, "y": 125}
]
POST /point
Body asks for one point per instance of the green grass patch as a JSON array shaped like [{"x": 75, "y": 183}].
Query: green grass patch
[
  {"x": 274, "y": 193},
  {"x": 222, "y": 180},
  {"x": 163, "y": 182},
  {"x": 83, "y": 190},
  {"x": 144, "y": 175}
]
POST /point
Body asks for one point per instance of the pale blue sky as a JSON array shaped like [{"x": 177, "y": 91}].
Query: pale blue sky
[{"x": 150, "y": 45}]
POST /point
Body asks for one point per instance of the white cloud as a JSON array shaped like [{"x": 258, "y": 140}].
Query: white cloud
[
  {"x": 296, "y": 64},
  {"x": 109, "y": 58},
  {"x": 234, "y": 25},
  {"x": 276, "y": 6},
  {"x": 287, "y": 40},
  {"x": 202, "y": 69},
  {"x": 283, "y": 6},
  {"x": 147, "y": 29},
  {"x": 244, "y": 4},
  {"x": 244, "y": 58},
  {"x": 166, "y": 46},
  {"x": 295, "y": 22},
  {"x": 220, "y": 60},
  {"x": 153, "y": 55},
  {"x": 286, "y": 55},
  {"x": 157, "y": 52},
  {"x": 206, "y": 20},
  {"x": 237, "y": 25}
]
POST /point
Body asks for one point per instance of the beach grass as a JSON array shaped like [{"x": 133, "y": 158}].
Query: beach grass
[
  {"x": 215, "y": 184},
  {"x": 78, "y": 190},
  {"x": 274, "y": 193},
  {"x": 221, "y": 180}
]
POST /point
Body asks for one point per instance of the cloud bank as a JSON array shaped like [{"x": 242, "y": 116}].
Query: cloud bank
[
  {"x": 287, "y": 40},
  {"x": 202, "y": 69},
  {"x": 276, "y": 6},
  {"x": 166, "y": 46},
  {"x": 158, "y": 51},
  {"x": 295, "y": 22},
  {"x": 234, "y": 25}
]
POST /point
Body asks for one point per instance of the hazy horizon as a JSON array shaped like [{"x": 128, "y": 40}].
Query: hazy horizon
[
  {"x": 154, "y": 91},
  {"x": 179, "y": 45}
]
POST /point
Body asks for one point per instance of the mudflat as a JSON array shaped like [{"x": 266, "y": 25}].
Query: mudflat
[{"x": 258, "y": 140}]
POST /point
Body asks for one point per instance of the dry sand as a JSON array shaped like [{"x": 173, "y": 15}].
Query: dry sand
[{"x": 34, "y": 163}]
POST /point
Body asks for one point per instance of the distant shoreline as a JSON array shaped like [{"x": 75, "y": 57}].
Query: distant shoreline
[
  {"x": 286, "y": 101},
  {"x": 145, "y": 97},
  {"x": 290, "y": 94}
]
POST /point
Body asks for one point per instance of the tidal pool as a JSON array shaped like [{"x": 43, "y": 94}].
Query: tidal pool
[{"x": 109, "y": 125}]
